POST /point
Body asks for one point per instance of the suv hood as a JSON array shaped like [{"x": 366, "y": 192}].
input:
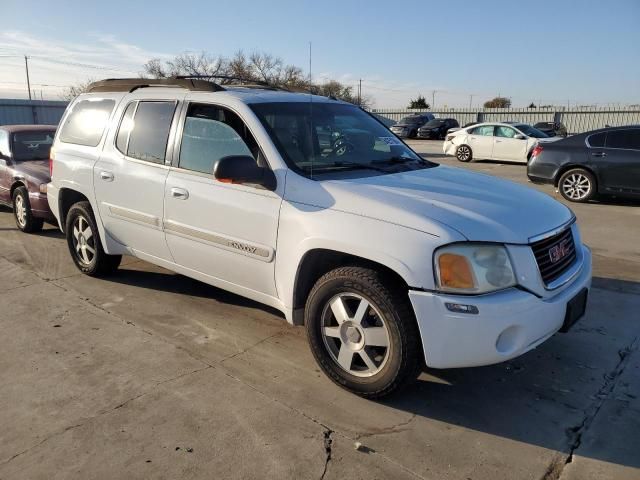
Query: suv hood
[
  {"x": 38, "y": 170},
  {"x": 478, "y": 206}
]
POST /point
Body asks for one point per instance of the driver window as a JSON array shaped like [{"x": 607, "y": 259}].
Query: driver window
[
  {"x": 211, "y": 133},
  {"x": 505, "y": 132}
]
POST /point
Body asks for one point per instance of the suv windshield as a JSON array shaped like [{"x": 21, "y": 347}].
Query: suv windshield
[
  {"x": 32, "y": 145},
  {"x": 435, "y": 123},
  {"x": 321, "y": 138},
  {"x": 409, "y": 120},
  {"x": 531, "y": 132}
]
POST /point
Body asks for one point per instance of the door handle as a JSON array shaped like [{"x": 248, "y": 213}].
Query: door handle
[
  {"x": 179, "y": 193},
  {"x": 106, "y": 176},
  {"x": 498, "y": 141},
  {"x": 599, "y": 154}
]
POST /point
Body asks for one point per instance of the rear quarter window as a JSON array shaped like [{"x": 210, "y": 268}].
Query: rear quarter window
[
  {"x": 86, "y": 122},
  {"x": 597, "y": 140},
  {"x": 628, "y": 139}
]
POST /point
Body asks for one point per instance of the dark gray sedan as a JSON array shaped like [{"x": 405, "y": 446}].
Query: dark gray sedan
[{"x": 605, "y": 161}]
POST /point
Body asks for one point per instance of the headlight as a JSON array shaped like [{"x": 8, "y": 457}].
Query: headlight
[
  {"x": 473, "y": 268},
  {"x": 43, "y": 188}
]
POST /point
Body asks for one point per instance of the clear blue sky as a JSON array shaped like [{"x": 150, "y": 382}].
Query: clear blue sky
[{"x": 557, "y": 51}]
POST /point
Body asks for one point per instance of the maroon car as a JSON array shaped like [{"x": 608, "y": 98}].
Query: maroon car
[{"x": 24, "y": 173}]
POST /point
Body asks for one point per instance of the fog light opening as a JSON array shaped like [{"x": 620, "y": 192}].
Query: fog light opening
[{"x": 461, "y": 308}]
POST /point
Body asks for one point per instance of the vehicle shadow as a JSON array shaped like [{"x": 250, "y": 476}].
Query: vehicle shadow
[{"x": 166, "y": 281}]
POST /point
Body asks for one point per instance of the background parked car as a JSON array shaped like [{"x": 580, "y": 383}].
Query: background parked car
[
  {"x": 24, "y": 173},
  {"x": 455, "y": 129},
  {"x": 605, "y": 161},
  {"x": 510, "y": 141},
  {"x": 553, "y": 129},
  {"x": 437, "y": 128},
  {"x": 408, "y": 126}
]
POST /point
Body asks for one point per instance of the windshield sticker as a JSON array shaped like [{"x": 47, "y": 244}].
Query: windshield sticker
[{"x": 390, "y": 140}]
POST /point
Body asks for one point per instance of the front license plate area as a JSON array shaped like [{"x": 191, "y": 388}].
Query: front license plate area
[{"x": 575, "y": 310}]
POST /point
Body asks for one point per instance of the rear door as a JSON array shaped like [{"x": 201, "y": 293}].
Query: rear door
[
  {"x": 130, "y": 176},
  {"x": 507, "y": 147},
  {"x": 481, "y": 141},
  {"x": 620, "y": 160}
]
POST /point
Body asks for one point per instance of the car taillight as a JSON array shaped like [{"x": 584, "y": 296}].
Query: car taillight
[
  {"x": 51, "y": 157},
  {"x": 536, "y": 151}
]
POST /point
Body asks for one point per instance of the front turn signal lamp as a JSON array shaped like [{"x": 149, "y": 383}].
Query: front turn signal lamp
[{"x": 473, "y": 268}]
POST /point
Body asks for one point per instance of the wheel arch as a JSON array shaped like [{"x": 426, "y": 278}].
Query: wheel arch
[
  {"x": 67, "y": 197},
  {"x": 318, "y": 261},
  {"x": 565, "y": 168},
  {"x": 17, "y": 184}
]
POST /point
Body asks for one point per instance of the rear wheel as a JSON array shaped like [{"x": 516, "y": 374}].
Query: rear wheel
[
  {"x": 577, "y": 185},
  {"x": 25, "y": 220},
  {"x": 83, "y": 240},
  {"x": 362, "y": 333},
  {"x": 464, "y": 153}
]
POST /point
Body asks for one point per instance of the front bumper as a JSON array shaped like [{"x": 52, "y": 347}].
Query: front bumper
[{"x": 508, "y": 323}]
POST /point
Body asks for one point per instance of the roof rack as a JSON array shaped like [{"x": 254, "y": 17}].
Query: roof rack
[{"x": 131, "y": 84}]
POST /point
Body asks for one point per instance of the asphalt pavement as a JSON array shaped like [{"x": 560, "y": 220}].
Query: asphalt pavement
[{"x": 149, "y": 374}]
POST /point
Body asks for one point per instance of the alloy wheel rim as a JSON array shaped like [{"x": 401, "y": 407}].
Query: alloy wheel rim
[
  {"x": 21, "y": 211},
  {"x": 463, "y": 153},
  {"x": 576, "y": 186},
  {"x": 355, "y": 334},
  {"x": 83, "y": 240}
]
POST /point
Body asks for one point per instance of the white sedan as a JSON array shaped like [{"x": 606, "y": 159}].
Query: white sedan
[{"x": 508, "y": 141}]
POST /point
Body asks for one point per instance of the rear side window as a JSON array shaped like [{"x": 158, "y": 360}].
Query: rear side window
[
  {"x": 87, "y": 121},
  {"x": 485, "y": 130},
  {"x": 506, "y": 132},
  {"x": 597, "y": 140},
  {"x": 125, "y": 127},
  {"x": 150, "y": 131},
  {"x": 627, "y": 139}
]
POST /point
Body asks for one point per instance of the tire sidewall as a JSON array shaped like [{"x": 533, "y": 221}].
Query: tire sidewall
[
  {"x": 318, "y": 298},
  {"x": 74, "y": 212},
  {"x": 586, "y": 174},
  {"x": 470, "y": 153}
]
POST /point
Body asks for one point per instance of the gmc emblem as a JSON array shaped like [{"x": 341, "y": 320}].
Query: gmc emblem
[{"x": 559, "y": 251}]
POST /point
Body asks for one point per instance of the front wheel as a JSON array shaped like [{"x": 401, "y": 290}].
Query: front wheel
[
  {"x": 83, "y": 240},
  {"x": 464, "y": 153},
  {"x": 577, "y": 185},
  {"x": 362, "y": 332}
]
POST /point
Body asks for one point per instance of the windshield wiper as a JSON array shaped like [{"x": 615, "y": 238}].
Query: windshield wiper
[{"x": 353, "y": 166}]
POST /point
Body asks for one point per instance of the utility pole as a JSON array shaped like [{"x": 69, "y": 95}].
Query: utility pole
[
  {"x": 360, "y": 93},
  {"x": 433, "y": 99},
  {"x": 470, "y": 101},
  {"x": 26, "y": 66}
]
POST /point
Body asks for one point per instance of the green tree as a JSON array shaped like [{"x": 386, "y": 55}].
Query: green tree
[{"x": 419, "y": 103}]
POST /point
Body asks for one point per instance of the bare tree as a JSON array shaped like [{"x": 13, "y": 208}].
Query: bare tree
[{"x": 72, "y": 91}]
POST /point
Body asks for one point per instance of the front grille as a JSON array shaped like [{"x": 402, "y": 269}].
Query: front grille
[{"x": 555, "y": 255}]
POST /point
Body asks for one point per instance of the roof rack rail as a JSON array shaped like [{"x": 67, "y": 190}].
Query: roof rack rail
[{"x": 131, "y": 84}]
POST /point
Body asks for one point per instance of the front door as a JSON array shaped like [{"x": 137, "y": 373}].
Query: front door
[
  {"x": 481, "y": 141},
  {"x": 225, "y": 231},
  {"x": 507, "y": 147},
  {"x": 130, "y": 176}
]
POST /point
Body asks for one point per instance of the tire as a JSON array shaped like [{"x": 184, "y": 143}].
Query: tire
[
  {"x": 413, "y": 134},
  {"x": 22, "y": 213},
  {"x": 375, "y": 347},
  {"x": 577, "y": 185},
  {"x": 85, "y": 247},
  {"x": 464, "y": 153}
]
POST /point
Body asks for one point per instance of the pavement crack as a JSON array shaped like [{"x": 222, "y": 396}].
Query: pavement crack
[
  {"x": 398, "y": 427},
  {"x": 100, "y": 414},
  {"x": 576, "y": 433},
  {"x": 245, "y": 350},
  {"x": 328, "y": 441}
]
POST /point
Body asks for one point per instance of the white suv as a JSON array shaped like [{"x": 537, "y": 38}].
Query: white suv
[{"x": 310, "y": 205}]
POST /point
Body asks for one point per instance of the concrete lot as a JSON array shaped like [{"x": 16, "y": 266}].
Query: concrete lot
[{"x": 153, "y": 375}]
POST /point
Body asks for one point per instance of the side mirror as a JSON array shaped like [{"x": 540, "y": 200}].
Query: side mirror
[
  {"x": 243, "y": 169},
  {"x": 519, "y": 136}
]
